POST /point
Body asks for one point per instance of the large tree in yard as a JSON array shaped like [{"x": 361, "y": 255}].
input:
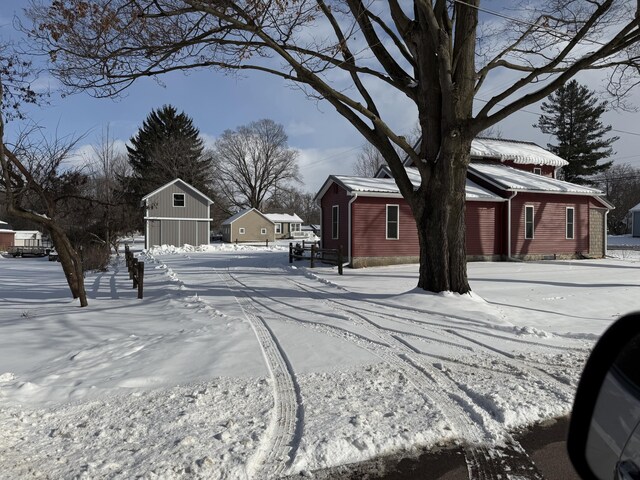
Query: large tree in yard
[
  {"x": 353, "y": 54},
  {"x": 252, "y": 162},
  {"x": 572, "y": 115}
]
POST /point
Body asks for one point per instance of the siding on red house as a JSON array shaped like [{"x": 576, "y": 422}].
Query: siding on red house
[
  {"x": 335, "y": 195},
  {"x": 369, "y": 224},
  {"x": 550, "y": 221},
  {"x": 484, "y": 235}
]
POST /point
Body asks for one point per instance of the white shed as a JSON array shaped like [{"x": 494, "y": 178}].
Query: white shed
[{"x": 28, "y": 238}]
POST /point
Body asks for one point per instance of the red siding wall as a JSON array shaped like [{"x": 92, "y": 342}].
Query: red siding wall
[
  {"x": 335, "y": 195},
  {"x": 549, "y": 224},
  {"x": 369, "y": 225},
  {"x": 484, "y": 228},
  {"x": 6, "y": 239}
]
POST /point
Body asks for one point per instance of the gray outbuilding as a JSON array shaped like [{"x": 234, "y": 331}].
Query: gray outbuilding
[{"x": 176, "y": 214}]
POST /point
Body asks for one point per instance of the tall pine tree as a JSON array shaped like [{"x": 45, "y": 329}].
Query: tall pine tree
[
  {"x": 167, "y": 147},
  {"x": 572, "y": 114}
]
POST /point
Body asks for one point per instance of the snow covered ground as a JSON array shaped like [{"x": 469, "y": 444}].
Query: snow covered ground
[{"x": 238, "y": 365}]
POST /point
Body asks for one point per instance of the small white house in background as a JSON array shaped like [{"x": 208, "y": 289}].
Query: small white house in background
[
  {"x": 176, "y": 214},
  {"x": 287, "y": 226},
  {"x": 635, "y": 221},
  {"x": 28, "y": 238}
]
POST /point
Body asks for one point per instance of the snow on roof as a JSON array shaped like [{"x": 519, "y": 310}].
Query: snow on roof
[
  {"x": 242, "y": 213},
  {"x": 518, "y": 180},
  {"x": 283, "y": 218},
  {"x": 388, "y": 186},
  {"x": 26, "y": 234},
  {"x": 3, "y": 223},
  {"x": 636, "y": 208},
  {"x": 516, "y": 151}
]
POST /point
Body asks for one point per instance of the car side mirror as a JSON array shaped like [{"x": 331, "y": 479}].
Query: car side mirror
[{"x": 604, "y": 431}]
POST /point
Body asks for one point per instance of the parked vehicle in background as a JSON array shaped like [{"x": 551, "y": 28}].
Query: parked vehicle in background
[
  {"x": 53, "y": 255},
  {"x": 22, "y": 251}
]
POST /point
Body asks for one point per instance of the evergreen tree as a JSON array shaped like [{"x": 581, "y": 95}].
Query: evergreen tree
[
  {"x": 572, "y": 115},
  {"x": 167, "y": 147}
]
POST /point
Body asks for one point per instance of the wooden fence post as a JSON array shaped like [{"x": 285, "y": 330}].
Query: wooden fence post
[
  {"x": 140, "y": 279},
  {"x": 313, "y": 255},
  {"x": 290, "y": 252},
  {"x": 133, "y": 271},
  {"x": 340, "y": 260}
]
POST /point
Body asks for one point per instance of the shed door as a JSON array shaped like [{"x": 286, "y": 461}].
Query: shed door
[
  {"x": 596, "y": 232},
  {"x": 636, "y": 224}
]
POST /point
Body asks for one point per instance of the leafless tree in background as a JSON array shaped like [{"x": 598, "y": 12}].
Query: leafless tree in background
[
  {"x": 109, "y": 171},
  {"x": 252, "y": 161},
  {"x": 368, "y": 162},
  {"x": 434, "y": 54},
  {"x": 621, "y": 184}
]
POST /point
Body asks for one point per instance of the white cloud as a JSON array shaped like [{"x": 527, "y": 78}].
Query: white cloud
[{"x": 298, "y": 129}]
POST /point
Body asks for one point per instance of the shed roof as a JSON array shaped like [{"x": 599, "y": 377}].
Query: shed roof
[
  {"x": 184, "y": 184},
  {"x": 242, "y": 213},
  {"x": 283, "y": 218},
  {"x": 635, "y": 209}
]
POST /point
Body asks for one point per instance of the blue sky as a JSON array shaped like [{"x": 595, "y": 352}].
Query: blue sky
[{"x": 328, "y": 144}]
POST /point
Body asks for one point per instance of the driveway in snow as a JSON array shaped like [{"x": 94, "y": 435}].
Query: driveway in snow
[{"x": 237, "y": 364}]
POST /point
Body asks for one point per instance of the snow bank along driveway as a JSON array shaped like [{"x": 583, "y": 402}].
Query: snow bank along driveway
[{"x": 238, "y": 365}]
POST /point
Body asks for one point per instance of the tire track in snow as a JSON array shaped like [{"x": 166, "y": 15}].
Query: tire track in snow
[
  {"x": 484, "y": 462},
  {"x": 278, "y": 448},
  {"x": 557, "y": 385},
  {"x": 474, "y": 424}
]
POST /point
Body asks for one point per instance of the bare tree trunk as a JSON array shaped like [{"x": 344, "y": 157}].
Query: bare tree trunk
[
  {"x": 71, "y": 264},
  {"x": 441, "y": 231}
]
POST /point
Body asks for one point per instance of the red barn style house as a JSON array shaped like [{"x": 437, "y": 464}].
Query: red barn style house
[{"x": 515, "y": 209}]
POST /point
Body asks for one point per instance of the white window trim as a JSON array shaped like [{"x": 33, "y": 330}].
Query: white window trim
[
  {"x": 573, "y": 223},
  {"x": 335, "y": 235},
  {"x": 533, "y": 222},
  {"x": 537, "y": 170},
  {"x": 278, "y": 227},
  {"x": 263, "y": 231},
  {"x": 397, "y": 237},
  {"x": 241, "y": 231},
  {"x": 184, "y": 198},
  {"x": 295, "y": 227}
]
